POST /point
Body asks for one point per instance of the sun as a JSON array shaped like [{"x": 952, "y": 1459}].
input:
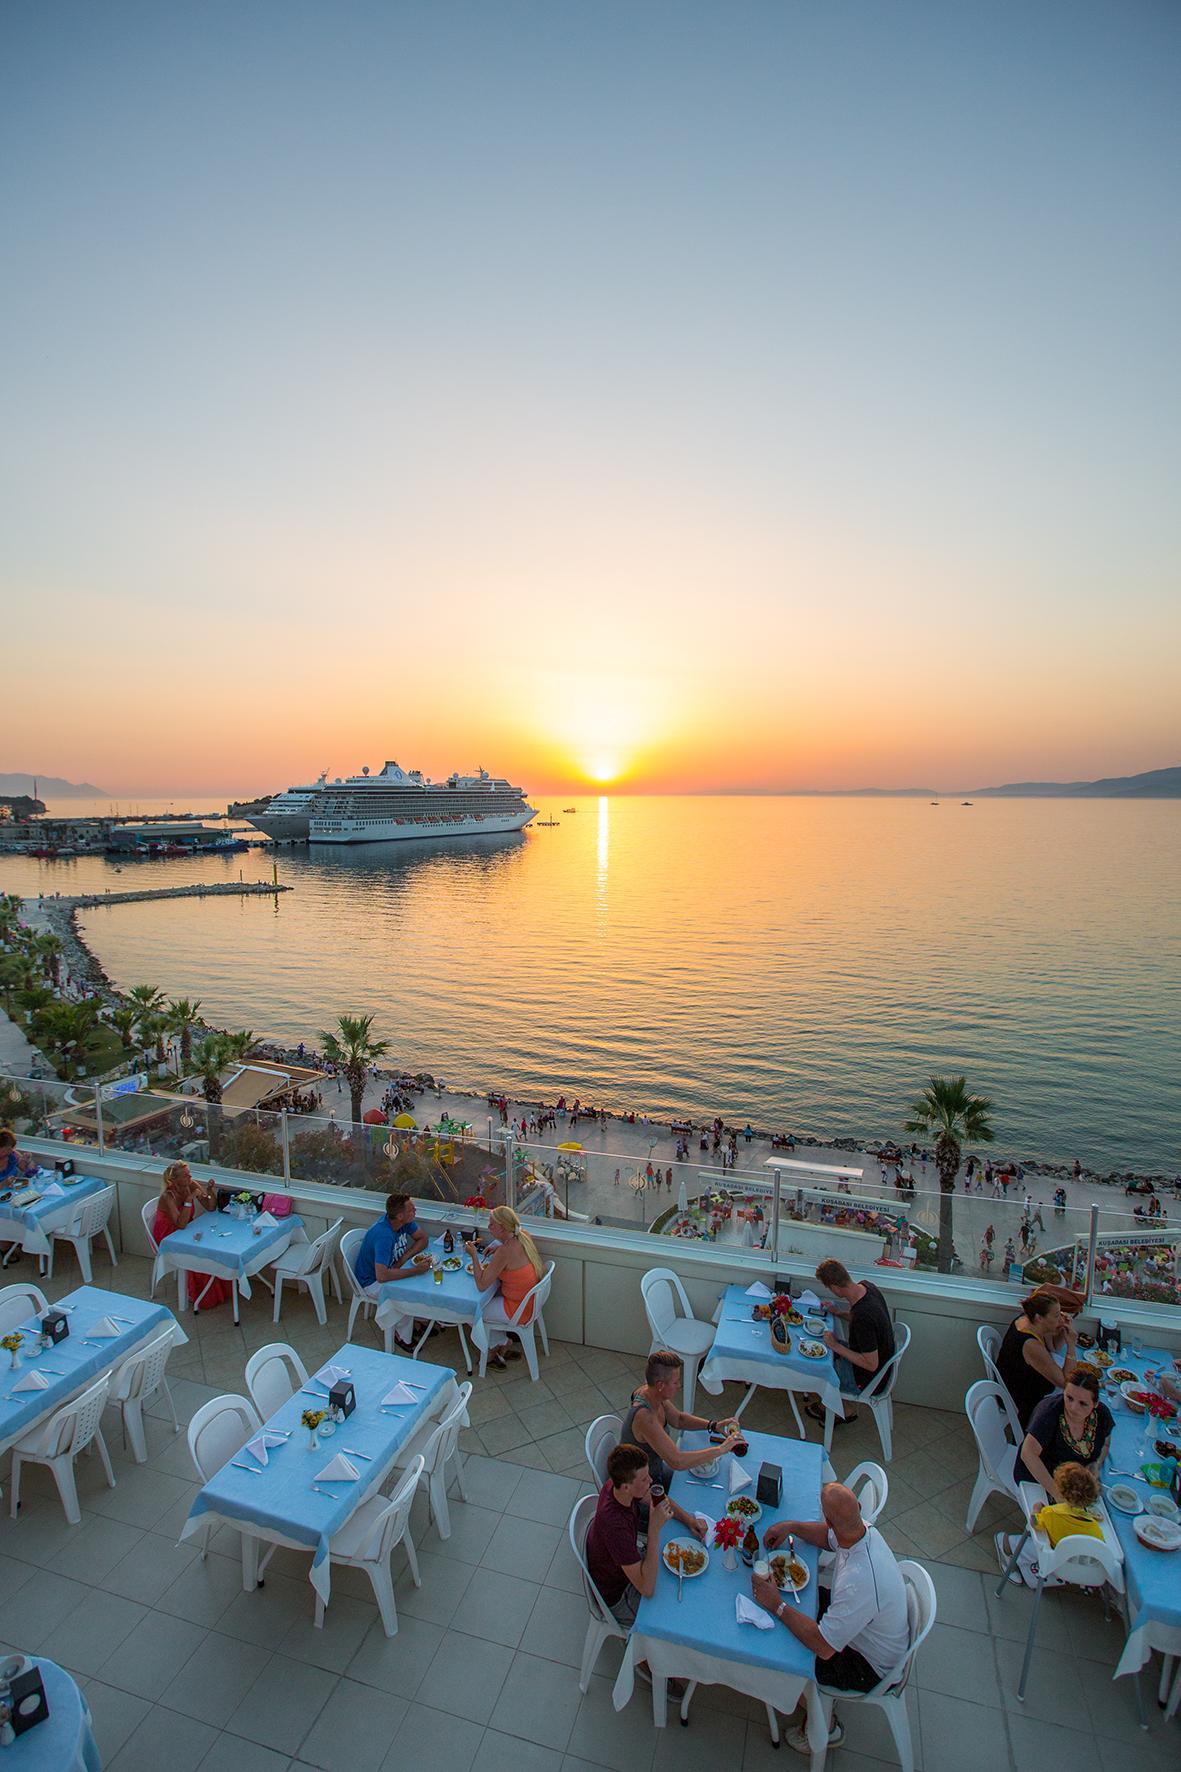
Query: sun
[{"x": 602, "y": 769}]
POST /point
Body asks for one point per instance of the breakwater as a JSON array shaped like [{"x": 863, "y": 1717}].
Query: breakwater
[{"x": 216, "y": 889}]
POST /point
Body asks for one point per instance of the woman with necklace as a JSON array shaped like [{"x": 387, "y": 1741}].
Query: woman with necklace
[{"x": 1071, "y": 1426}]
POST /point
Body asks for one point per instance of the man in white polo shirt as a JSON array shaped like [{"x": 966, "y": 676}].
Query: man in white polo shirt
[{"x": 861, "y": 1632}]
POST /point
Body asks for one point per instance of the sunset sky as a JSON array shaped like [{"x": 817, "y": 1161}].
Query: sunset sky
[{"x": 673, "y": 396}]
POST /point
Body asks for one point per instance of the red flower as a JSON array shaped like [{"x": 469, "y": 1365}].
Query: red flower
[{"x": 728, "y": 1532}]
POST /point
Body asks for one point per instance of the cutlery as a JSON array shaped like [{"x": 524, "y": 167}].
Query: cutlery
[
  {"x": 254, "y": 1470},
  {"x": 306, "y": 1390},
  {"x": 791, "y": 1554},
  {"x": 680, "y": 1584},
  {"x": 353, "y": 1453}
]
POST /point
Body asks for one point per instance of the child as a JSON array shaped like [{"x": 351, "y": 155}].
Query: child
[{"x": 1079, "y": 1489}]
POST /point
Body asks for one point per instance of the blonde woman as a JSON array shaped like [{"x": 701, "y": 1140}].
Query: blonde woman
[
  {"x": 514, "y": 1267},
  {"x": 182, "y": 1197}
]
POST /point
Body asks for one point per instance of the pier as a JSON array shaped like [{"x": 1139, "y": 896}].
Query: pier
[{"x": 218, "y": 889}]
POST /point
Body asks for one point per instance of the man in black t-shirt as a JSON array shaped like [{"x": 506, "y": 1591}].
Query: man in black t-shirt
[{"x": 871, "y": 1333}]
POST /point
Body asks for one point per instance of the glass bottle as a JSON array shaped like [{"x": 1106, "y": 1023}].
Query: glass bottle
[{"x": 750, "y": 1547}]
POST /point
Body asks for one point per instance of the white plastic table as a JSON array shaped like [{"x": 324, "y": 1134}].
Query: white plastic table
[{"x": 742, "y": 1352}]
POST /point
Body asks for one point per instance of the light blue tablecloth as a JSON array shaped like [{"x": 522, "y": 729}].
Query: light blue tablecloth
[
  {"x": 740, "y": 1338},
  {"x": 1153, "y": 1577},
  {"x": 281, "y": 1498},
  {"x": 54, "y": 1212},
  {"x": 74, "y": 1361},
  {"x": 419, "y": 1295},
  {"x": 64, "y": 1742},
  {"x": 704, "y": 1619},
  {"x": 217, "y": 1243}
]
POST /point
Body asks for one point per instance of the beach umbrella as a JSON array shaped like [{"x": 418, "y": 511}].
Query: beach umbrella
[
  {"x": 682, "y": 1196},
  {"x": 405, "y": 1122},
  {"x": 373, "y": 1117},
  {"x": 571, "y": 1144}
]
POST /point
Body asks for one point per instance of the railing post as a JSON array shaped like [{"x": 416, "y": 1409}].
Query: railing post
[
  {"x": 98, "y": 1114},
  {"x": 775, "y": 1219},
  {"x": 286, "y": 1142},
  {"x": 510, "y": 1190},
  {"x": 1092, "y": 1244}
]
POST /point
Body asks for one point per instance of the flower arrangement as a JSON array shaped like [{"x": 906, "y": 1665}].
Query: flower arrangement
[
  {"x": 11, "y": 1343},
  {"x": 781, "y": 1304},
  {"x": 311, "y": 1418},
  {"x": 1160, "y": 1407},
  {"x": 728, "y": 1533},
  {"x": 245, "y": 1198}
]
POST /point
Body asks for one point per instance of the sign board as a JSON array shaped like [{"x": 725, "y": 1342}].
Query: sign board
[{"x": 124, "y": 1086}]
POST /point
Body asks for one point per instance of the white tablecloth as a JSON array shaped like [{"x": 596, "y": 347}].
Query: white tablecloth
[{"x": 227, "y": 1249}]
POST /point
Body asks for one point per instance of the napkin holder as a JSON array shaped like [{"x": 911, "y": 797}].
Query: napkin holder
[
  {"x": 25, "y": 1699},
  {"x": 55, "y": 1326},
  {"x": 342, "y": 1399},
  {"x": 64, "y": 1166},
  {"x": 769, "y": 1488},
  {"x": 1109, "y": 1337}
]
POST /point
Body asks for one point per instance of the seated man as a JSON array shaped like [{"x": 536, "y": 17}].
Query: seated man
[
  {"x": 871, "y": 1333},
  {"x": 621, "y": 1566},
  {"x": 387, "y": 1252},
  {"x": 860, "y": 1633},
  {"x": 654, "y": 1417}
]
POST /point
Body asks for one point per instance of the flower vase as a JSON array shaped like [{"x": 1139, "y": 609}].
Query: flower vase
[
  {"x": 1148, "y": 1442},
  {"x": 730, "y": 1559},
  {"x": 313, "y": 1440}
]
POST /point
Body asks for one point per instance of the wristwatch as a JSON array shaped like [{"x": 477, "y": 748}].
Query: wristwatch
[{"x": 781, "y": 1609}]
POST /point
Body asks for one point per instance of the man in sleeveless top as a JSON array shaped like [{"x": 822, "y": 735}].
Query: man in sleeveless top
[{"x": 654, "y": 1413}]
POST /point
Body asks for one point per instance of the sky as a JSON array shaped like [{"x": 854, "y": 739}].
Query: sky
[{"x": 671, "y": 397}]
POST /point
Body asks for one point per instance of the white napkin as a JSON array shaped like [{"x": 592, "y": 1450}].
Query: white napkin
[
  {"x": 758, "y": 1290},
  {"x": 266, "y": 1221},
  {"x": 106, "y": 1329},
  {"x": 708, "y": 1524},
  {"x": 808, "y": 1301},
  {"x": 338, "y": 1467},
  {"x": 258, "y": 1446},
  {"x": 32, "y": 1381},
  {"x": 739, "y": 1478},
  {"x": 330, "y": 1374},
  {"x": 53, "y": 1192},
  {"x": 401, "y": 1393},
  {"x": 746, "y": 1612}
]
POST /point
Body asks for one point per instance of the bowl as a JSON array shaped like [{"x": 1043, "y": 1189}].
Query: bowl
[
  {"x": 1163, "y": 1506},
  {"x": 707, "y": 1470}
]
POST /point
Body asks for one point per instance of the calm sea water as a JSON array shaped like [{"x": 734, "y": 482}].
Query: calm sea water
[{"x": 804, "y": 963}]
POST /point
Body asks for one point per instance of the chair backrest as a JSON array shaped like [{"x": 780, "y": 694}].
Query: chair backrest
[
  {"x": 602, "y": 1437},
  {"x": 988, "y": 1340},
  {"x": 581, "y": 1515},
  {"x": 148, "y": 1213},
  {"x": 74, "y": 1425},
  {"x": 997, "y": 1432},
  {"x": 661, "y": 1291},
  {"x": 882, "y": 1382},
  {"x": 349, "y": 1244},
  {"x": 538, "y": 1294},
  {"x": 323, "y": 1249},
  {"x": 443, "y": 1442},
  {"x": 141, "y": 1374},
  {"x": 19, "y": 1301},
  {"x": 391, "y": 1521},
  {"x": 93, "y": 1214},
  {"x": 871, "y": 1485},
  {"x": 273, "y": 1375},
  {"x": 220, "y": 1428},
  {"x": 921, "y": 1606}
]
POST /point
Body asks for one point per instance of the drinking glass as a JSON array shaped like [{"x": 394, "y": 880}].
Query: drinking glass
[{"x": 1137, "y": 1345}]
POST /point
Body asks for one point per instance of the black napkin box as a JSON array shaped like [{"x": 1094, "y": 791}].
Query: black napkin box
[
  {"x": 27, "y": 1701},
  {"x": 769, "y": 1489},
  {"x": 56, "y": 1325},
  {"x": 342, "y": 1398},
  {"x": 1109, "y": 1337},
  {"x": 64, "y": 1166}
]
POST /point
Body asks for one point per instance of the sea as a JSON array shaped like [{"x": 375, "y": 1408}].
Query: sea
[{"x": 804, "y": 964}]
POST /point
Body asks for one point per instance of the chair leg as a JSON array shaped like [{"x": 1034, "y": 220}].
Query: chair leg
[
  {"x": 596, "y": 1636},
  {"x": 529, "y": 1349},
  {"x": 467, "y": 1357},
  {"x": 884, "y": 1413},
  {"x": 898, "y": 1718},
  {"x": 14, "y": 1499},
  {"x": 48, "y": 1269},
  {"x": 133, "y": 1429},
  {"x": 542, "y": 1333},
  {"x": 278, "y": 1297},
  {"x": 1037, "y": 1600},
  {"x": 110, "y": 1246},
  {"x": 319, "y": 1618},
  {"x": 383, "y": 1593},
  {"x": 1013, "y": 1561},
  {"x": 82, "y": 1245},
  {"x": 411, "y": 1556},
  {"x": 315, "y": 1285},
  {"x": 167, "y": 1389},
  {"x": 67, "y": 1488},
  {"x": 438, "y": 1498},
  {"x": 980, "y": 1495},
  {"x": 105, "y": 1456},
  {"x": 353, "y": 1317}
]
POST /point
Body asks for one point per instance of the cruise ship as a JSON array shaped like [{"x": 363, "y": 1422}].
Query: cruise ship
[
  {"x": 397, "y": 804},
  {"x": 286, "y": 817}
]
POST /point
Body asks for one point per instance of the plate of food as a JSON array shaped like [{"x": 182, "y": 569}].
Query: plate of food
[
  {"x": 745, "y": 1508},
  {"x": 684, "y": 1556},
  {"x": 794, "y": 1317},
  {"x": 452, "y": 1264},
  {"x": 1124, "y": 1499},
  {"x": 815, "y": 1325},
  {"x": 1164, "y": 1507},
  {"x": 1135, "y": 1396},
  {"x": 813, "y": 1350},
  {"x": 1100, "y": 1358},
  {"x": 789, "y": 1574},
  {"x": 1160, "y": 1535},
  {"x": 1084, "y": 1340},
  {"x": 1122, "y": 1375}
]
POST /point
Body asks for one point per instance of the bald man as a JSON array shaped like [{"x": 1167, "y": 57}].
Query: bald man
[{"x": 860, "y": 1633}]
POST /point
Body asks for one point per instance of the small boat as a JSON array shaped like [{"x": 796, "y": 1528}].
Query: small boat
[
  {"x": 966, "y": 802},
  {"x": 569, "y": 809},
  {"x": 934, "y": 802},
  {"x": 548, "y": 824}
]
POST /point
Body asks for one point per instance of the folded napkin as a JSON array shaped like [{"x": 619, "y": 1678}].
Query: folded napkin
[
  {"x": 339, "y": 1469},
  {"x": 808, "y": 1301},
  {"x": 758, "y": 1290},
  {"x": 330, "y": 1374},
  {"x": 106, "y": 1329},
  {"x": 708, "y": 1524},
  {"x": 401, "y": 1393},
  {"x": 53, "y": 1192},
  {"x": 746, "y": 1612},
  {"x": 32, "y": 1381},
  {"x": 266, "y": 1221},
  {"x": 258, "y": 1446},
  {"x": 739, "y": 1478}
]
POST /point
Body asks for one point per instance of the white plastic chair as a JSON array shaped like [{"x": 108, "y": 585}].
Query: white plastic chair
[
  {"x": 878, "y": 1395},
  {"x": 496, "y": 1317},
  {"x": 273, "y": 1375},
  {"x": 673, "y": 1325},
  {"x": 58, "y": 1441},
  {"x": 307, "y": 1264},
  {"x": 438, "y": 1446},
  {"x": 890, "y": 1693},
  {"x": 367, "y": 1539},
  {"x": 871, "y": 1486},
  {"x": 988, "y": 1340},
  {"x": 1079, "y": 1560},
  {"x": 135, "y": 1383},
  {"x": 998, "y": 1436},
  {"x": 602, "y": 1437},
  {"x": 349, "y": 1244},
  {"x": 19, "y": 1302},
  {"x": 92, "y": 1221},
  {"x": 147, "y": 1213},
  {"x": 220, "y": 1428},
  {"x": 603, "y": 1623}
]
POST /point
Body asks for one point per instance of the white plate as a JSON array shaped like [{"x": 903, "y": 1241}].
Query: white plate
[
  {"x": 1159, "y": 1535},
  {"x": 745, "y": 1518},
  {"x": 812, "y": 1350},
  {"x": 686, "y": 1544},
  {"x": 815, "y": 1325},
  {"x": 803, "y": 1584},
  {"x": 1163, "y": 1506},
  {"x": 1124, "y": 1500}
]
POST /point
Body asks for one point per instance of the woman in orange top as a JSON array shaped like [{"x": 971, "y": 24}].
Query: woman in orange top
[
  {"x": 514, "y": 1266},
  {"x": 181, "y": 1199}
]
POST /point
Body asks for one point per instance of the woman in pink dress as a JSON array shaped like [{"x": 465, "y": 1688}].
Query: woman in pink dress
[{"x": 181, "y": 1199}]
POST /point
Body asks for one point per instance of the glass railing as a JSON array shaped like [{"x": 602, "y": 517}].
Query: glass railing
[{"x": 48, "y": 1109}]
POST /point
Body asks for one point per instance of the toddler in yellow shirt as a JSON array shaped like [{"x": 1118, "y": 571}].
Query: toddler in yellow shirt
[{"x": 1078, "y": 1488}]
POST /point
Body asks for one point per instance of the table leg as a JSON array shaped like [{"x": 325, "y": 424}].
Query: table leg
[
  {"x": 829, "y": 1418},
  {"x": 750, "y": 1393},
  {"x": 181, "y": 1276},
  {"x": 234, "y": 1296},
  {"x": 659, "y": 1699},
  {"x": 249, "y": 1562}
]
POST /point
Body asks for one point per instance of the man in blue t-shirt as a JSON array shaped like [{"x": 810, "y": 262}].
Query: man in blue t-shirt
[{"x": 388, "y": 1247}]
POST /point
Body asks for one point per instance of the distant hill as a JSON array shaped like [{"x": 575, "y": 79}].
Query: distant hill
[
  {"x": 51, "y": 786},
  {"x": 1153, "y": 784}
]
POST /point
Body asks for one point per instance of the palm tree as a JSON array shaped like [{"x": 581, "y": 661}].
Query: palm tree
[
  {"x": 147, "y": 1000},
  {"x": 212, "y": 1059},
  {"x": 48, "y": 948},
  {"x": 240, "y": 1045},
  {"x": 123, "y": 1020},
  {"x": 181, "y": 1018},
  {"x": 352, "y": 1050},
  {"x": 955, "y": 1117}
]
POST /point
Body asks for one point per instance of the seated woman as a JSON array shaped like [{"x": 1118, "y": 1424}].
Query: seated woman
[
  {"x": 1067, "y": 1427},
  {"x": 654, "y": 1412},
  {"x": 13, "y": 1165},
  {"x": 1025, "y": 1358},
  {"x": 181, "y": 1200},
  {"x": 513, "y": 1268}
]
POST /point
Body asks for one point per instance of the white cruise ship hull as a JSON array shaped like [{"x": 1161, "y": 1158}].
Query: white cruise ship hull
[
  {"x": 284, "y": 827},
  {"x": 407, "y": 827}
]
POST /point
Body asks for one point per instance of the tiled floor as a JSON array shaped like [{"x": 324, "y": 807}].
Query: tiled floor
[{"x": 184, "y": 1671}]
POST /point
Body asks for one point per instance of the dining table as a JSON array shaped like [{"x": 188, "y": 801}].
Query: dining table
[
  {"x": 64, "y": 1740},
  {"x": 52, "y": 1208},
  {"x": 105, "y": 1330},
  {"x": 689, "y": 1628},
  {"x": 453, "y": 1298},
  {"x": 288, "y": 1499},
  {"x": 743, "y": 1352},
  {"x": 225, "y": 1247}
]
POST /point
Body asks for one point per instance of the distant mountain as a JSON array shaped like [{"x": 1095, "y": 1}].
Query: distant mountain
[
  {"x": 52, "y": 786},
  {"x": 1153, "y": 784}
]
